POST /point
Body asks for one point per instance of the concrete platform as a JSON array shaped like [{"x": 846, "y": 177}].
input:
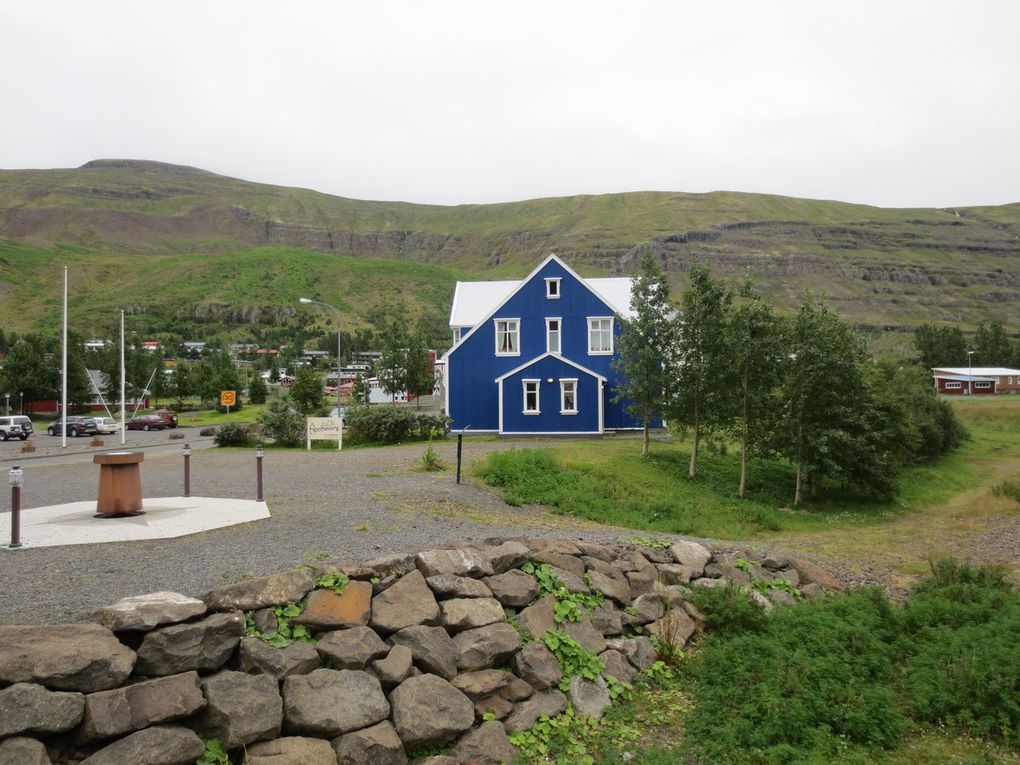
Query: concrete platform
[{"x": 164, "y": 517}]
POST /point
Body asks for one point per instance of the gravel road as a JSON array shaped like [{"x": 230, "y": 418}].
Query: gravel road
[{"x": 348, "y": 506}]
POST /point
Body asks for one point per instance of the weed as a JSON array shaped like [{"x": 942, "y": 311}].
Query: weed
[
  {"x": 575, "y": 660},
  {"x": 430, "y": 461},
  {"x": 336, "y": 582},
  {"x": 214, "y": 753},
  {"x": 1009, "y": 488}
]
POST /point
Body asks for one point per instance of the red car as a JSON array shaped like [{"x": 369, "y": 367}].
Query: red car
[
  {"x": 147, "y": 422},
  {"x": 168, "y": 416}
]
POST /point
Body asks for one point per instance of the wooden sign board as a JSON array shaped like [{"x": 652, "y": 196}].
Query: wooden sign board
[{"x": 325, "y": 429}]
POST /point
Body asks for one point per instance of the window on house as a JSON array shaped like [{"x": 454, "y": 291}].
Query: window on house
[
  {"x": 531, "y": 396},
  {"x": 508, "y": 337},
  {"x": 552, "y": 335},
  {"x": 1010, "y": 380},
  {"x": 568, "y": 396},
  {"x": 552, "y": 288},
  {"x": 982, "y": 385},
  {"x": 600, "y": 336},
  {"x": 952, "y": 386}
]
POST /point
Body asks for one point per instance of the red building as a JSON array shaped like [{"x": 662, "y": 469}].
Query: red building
[{"x": 976, "y": 380}]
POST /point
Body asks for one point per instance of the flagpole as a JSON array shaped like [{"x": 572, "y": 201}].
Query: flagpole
[
  {"x": 123, "y": 418},
  {"x": 63, "y": 368}
]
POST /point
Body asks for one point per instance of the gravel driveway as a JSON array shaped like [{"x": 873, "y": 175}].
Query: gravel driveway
[{"x": 349, "y": 506}]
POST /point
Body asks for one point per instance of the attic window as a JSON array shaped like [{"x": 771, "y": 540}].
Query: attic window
[{"x": 552, "y": 288}]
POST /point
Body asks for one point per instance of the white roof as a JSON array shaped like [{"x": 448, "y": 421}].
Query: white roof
[
  {"x": 473, "y": 301},
  {"x": 983, "y": 371}
]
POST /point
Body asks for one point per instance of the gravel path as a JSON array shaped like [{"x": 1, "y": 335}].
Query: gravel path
[
  {"x": 347, "y": 506},
  {"x": 361, "y": 503}
]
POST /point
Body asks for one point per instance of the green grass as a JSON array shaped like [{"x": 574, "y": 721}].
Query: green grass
[
  {"x": 608, "y": 481},
  {"x": 202, "y": 418}
]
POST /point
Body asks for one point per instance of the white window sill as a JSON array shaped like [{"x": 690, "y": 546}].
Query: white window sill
[
  {"x": 529, "y": 412},
  {"x": 600, "y": 353},
  {"x": 572, "y": 411},
  {"x": 515, "y": 353}
]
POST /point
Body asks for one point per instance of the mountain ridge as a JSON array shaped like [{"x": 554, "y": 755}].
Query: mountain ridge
[{"x": 883, "y": 267}]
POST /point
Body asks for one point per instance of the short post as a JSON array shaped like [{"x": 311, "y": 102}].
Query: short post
[
  {"x": 186, "y": 451},
  {"x": 16, "y": 478},
  {"x": 260, "y": 452},
  {"x": 460, "y": 446}
]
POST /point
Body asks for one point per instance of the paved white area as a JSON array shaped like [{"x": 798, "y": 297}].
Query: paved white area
[{"x": 164, "y": 517}]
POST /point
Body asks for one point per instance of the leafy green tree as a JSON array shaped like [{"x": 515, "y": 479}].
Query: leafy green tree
[
  {"x": 829, "y": 417},
  {"x": 392, "y": 366},
  {"x": 991, "y": 345},
  {"x": 281, "y": 423},
  {"x": 756, "y": 360},
  {"x": 306, "y": 393},
  {"x": 697, "y": 362},
  {"x": 642, "y": 346},
  {"x": 359, "y": 391},
  {"x": 30, "y": 369},
  {"x": 940, "y": 346},
  {"x": 420, "y": 376},
  {"x": 258, "y": 391}
]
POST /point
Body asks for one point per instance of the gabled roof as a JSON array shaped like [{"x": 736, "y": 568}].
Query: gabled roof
[
  {"x": 964, "y": 378},
  {"x": 985, "y": 371},
  {"x": 546, "y": 355},
  {"x": 475, "y": 301}
]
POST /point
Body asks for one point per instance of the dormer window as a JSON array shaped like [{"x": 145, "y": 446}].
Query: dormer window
[{"x": 552, "y": 288}]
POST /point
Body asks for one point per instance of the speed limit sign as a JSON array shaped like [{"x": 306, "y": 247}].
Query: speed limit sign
[{"x": 228, "y": 398}]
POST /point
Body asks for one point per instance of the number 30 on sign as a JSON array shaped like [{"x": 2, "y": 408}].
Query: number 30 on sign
[{"x": 228, "y": 398}]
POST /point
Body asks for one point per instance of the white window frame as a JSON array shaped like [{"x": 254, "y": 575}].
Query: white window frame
[
  {"x": 538, "y": 396},
  {"x": 591, "y": 322},
  {"x": 982, "y": 384},
  {"x": 950, "y": 385},
  {"x": 1010, "y": 380},
  {"x": 553, "y": 292},
  {"x": 516, "y": 332},
  {"x": 564, "y": 382},
  {"x": 549, "y": 333}
]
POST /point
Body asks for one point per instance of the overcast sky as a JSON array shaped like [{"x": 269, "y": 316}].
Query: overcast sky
[{"x": 888, "y": 103}]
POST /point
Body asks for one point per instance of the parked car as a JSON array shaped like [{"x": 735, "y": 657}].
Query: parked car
[
  {"x": 15, "y": 426},
  {"x": 168, "y": 416},
  {"x": 77, "y": 425},
  {"x": 107, "y": 425},
  {"x": 146, "y": 422}
]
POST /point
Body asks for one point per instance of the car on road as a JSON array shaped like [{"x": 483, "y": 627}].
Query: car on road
[
  {"x": 107, "y": 425},
  {"x": 16, "y": 426},
  {"x": 147, "y": 422},
  {"x": 168, "y": 416},
  {"x": 77, "y": 425}
]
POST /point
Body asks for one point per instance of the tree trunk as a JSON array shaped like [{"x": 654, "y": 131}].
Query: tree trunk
[
  {"x": 644, "y": 443},
  {"x": 796, "y": 493},
  {"x": 692, "y": 471}
]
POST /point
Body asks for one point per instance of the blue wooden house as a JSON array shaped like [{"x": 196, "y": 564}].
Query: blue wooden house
[{"x": 534, "y": 356}]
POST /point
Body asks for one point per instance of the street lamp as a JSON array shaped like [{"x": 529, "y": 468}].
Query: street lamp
[
  {"x": 8, "y": 409},
  {"x": 970, "y": 376},
  {"x": 307, "y": 301},
  {"x": 21, "y": 402}
]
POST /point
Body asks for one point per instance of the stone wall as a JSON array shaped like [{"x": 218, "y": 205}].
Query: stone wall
[{"x": 373, "y": 663}]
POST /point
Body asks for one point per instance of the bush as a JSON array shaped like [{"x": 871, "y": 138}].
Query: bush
[
  {"x": 729, "y": 610},
  {"x": 391, "y": 425},
  {"x": 812, "y": 683},
  {"x": 281, "y": 424},
  {"x": 232, "y": 434}
]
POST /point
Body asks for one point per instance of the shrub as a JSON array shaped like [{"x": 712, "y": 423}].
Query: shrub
[
  {"x": 232, "y": 434},
  {"x": 430, "y": 461},
  {"x": 391, "y": 425},
  {"x": 282, "y": 424},
  {"x": 729, "y": 610},
  {"x": 812, "y": 682}
]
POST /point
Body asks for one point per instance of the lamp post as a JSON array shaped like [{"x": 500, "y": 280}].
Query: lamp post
[
  {"x": 970, "y": 375},
  {"x": 8, "y": 409},
  {"x": 307, "y": 301},
  {"x": 21, "y": 402}
]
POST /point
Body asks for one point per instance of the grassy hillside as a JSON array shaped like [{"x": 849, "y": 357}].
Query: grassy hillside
[{"x": 123, "y": 223}]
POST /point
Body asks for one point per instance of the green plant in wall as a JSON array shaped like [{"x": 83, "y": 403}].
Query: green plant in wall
[
  {"x": 285, "y": 630},
  {"x": 335, "y": 582},
  {"x": 574, "y": 659},
  {"x": 569, "y": 604},
  {"x": 214, "y": 753}
]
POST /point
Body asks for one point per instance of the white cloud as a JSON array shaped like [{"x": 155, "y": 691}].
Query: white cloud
[{"x": 907, "y": 104}]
